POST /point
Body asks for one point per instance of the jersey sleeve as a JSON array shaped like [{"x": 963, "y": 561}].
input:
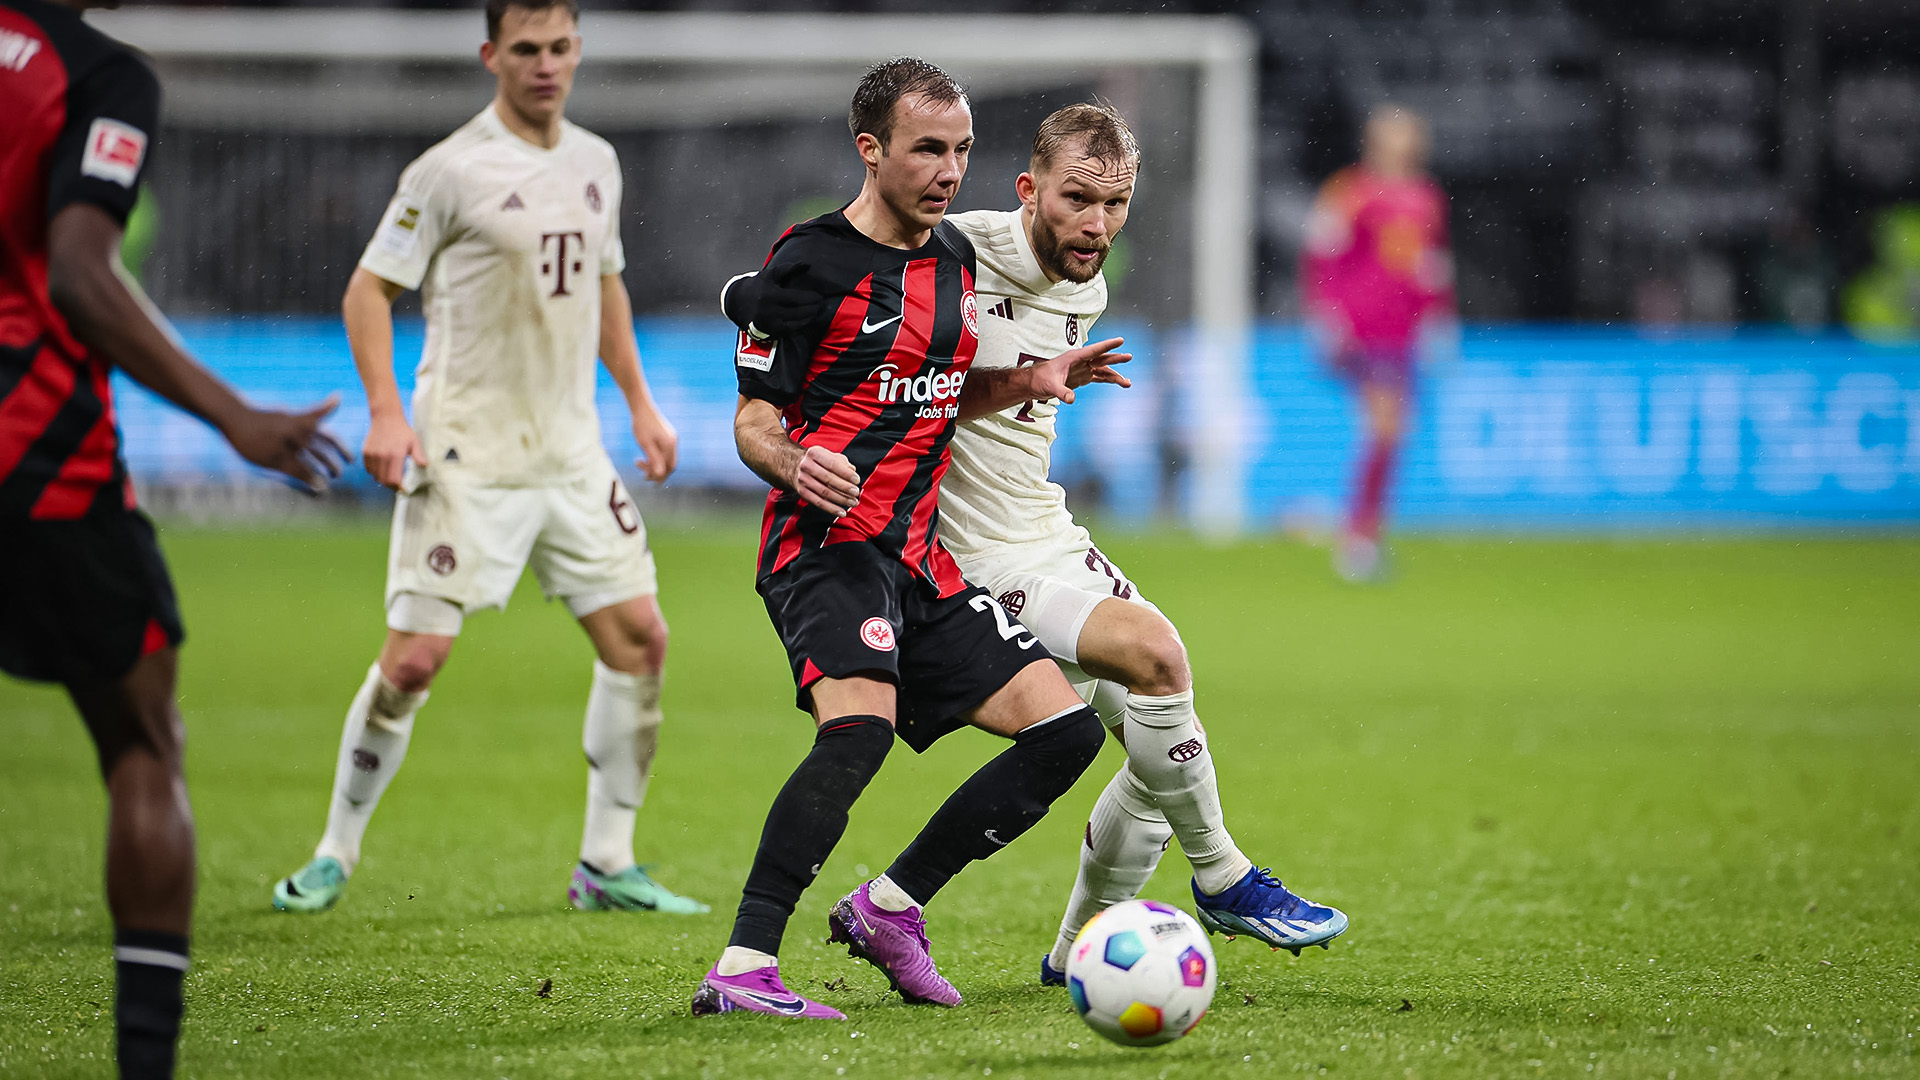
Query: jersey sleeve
[
  {"x": 613, "y": 253},
  {"x": 103, "y": 150},
  {"x": 415, "y": 226},
  {"x": 775, "y": 370}
]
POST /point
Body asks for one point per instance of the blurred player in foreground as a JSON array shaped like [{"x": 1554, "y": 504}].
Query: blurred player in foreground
[
  {"x": 1378, "y": 282},
  {"x": 85, "y": 598},
  {"x": 511, "y": 228},
  {"x": 1041, "y": 289},
  {"x": 848, "y": 416}
]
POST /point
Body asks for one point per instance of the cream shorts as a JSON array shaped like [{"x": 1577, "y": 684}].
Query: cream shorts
[
  {"x": 1053, "y": 589},
  {"x": 460, "y": 547}
]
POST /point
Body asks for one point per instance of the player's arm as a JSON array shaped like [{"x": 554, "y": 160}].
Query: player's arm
[
  {"x": 819, "y": 476},
  {"x": 1327, "y": 235},
  {"x": 93, "y": 180},
  {"x": 994, "y": 390},
  {"x": 110, "y": 313},
  {"x": 367, "y": 309},
  {"x": 620, "y": 352},
  {"x": 774, "y": 302}
]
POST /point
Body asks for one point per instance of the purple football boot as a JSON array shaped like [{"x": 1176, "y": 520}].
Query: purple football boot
[
  {"x": 893, "y": 941},
  {"x": 759, "y": 990}
]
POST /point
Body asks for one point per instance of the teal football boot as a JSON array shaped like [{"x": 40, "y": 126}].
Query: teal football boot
[
  {"x": 313, "y": 887},
  {"x": 629, "y": 890}
]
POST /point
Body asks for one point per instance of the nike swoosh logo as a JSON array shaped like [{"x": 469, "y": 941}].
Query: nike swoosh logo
[
  {"x": 793, "y": 1007},
  {"x": 996, "y": 840},
  {"x": 869, "y": 327}
]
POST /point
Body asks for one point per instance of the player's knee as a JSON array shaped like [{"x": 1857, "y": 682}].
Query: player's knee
[
  {"x": 1160, "y": 663},
  {"x": 1067, "y": 744},
  {"x": 638, "y": 643},
  {"x": 650, "y": 637},
  {"x": 412, "y": 668},
  {"x": 1088, "y": 735}
]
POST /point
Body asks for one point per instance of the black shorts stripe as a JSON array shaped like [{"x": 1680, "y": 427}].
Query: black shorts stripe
[{"x": 21, "y": 488}]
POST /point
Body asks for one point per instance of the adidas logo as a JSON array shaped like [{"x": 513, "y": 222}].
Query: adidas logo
[
  {"x": 1004, "y": 308},
  {"x": 513, "y": 203},
  {"x": 454, "y": 455}
]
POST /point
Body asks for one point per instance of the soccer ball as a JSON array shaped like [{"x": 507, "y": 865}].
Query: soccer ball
[{"x": 1141, "y": 973}]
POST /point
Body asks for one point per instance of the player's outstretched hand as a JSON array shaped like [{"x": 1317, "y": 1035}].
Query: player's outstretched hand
[
  {"x": 390, "y": 442},
  {"x": 827, "y": 480},
  {"x": 659, "y": 445},
  {"x": 292, "y": 443},
  {"x": 1092, "y": 363},
  {"x": 773, "y": 302}
]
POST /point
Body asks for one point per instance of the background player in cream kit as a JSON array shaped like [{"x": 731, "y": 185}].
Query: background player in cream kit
[
  {"x": 510, "y": 229},
  {"x": 1039, "y": 290}
]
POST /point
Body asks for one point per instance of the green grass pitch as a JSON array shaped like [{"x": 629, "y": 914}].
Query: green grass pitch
[{"x": 1639, "y": 809}]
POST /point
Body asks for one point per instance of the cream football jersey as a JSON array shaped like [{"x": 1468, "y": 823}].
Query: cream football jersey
[
  {"x": 507, "y": 242},
  {"x": 996, "y": 491}
]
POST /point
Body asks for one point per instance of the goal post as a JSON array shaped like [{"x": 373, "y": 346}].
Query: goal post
[{"x": 351, "y": 70}]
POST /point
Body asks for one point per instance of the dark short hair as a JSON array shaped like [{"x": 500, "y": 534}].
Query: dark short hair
[
  {"x": 497, "y": 10},
  {"x": 1094, "y": 127},
  {"x": 885, "y": 83}
]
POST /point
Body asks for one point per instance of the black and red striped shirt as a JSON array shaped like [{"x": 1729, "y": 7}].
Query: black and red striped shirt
[
  {"x": 77, "y": 115},
  {"x": 876, "y": 378}
]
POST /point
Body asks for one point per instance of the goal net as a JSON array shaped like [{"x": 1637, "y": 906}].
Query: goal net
[{"x": 284, "y": 132}]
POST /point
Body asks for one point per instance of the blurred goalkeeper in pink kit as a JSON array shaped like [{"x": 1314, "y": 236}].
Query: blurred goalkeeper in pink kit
[{"x": 1377, "y": 278}]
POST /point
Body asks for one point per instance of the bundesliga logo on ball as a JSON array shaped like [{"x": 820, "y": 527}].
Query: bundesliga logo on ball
[{"x": 1141, "y": 973}]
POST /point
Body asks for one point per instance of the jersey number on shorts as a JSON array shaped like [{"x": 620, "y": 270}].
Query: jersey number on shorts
[
  {"x": 622, "y": 511},
  {"x": 1122, "y": 588},
  {"x": 1008, "y": 628}
]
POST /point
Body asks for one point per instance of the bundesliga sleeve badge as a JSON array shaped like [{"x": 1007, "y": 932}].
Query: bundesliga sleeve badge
[
  {"x": 754, "y": 355},
  {"x": 114, "y": 152}
]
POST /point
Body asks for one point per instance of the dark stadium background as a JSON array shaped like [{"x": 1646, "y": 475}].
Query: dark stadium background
[{"x": 1637, "y": 160}]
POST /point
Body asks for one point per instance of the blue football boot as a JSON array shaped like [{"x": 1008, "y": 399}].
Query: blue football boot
[
  {"x": 1048, "y": 976},
  {"x": 1258, "y": 905}
]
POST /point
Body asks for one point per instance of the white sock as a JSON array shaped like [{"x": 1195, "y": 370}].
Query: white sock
[
  {"x": 620, "y": 735},
  {"x": 738, "y": 960},
  {"x": 1126, "y": 835},
  {"x": 372, "y": 746},
  {"x": 1168, "y": 752},
  {"x": 887, "y": 896}
]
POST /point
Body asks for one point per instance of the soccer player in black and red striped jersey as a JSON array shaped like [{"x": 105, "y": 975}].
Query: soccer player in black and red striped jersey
[
  {"x": 849, "y": 419},
  {"x": 85, "y": 600}
]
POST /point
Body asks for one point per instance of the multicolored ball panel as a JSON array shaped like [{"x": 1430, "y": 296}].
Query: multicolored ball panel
[
  {"x": 1125, "y": 949},
  {"x": 1140, "y": 1020}
]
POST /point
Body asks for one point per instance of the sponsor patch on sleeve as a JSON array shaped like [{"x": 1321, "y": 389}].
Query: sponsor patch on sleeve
[
  {"x": 400, "y": 233},
  {"x": 755, "y": 355},
  {"x": 114, "y": 152}
]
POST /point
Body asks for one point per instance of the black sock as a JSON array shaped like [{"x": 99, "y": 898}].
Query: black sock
[
  {"x": 805, "y": 822},
  {"x": 1004, "y": 799},
  {"x": 149, "y": 966}
]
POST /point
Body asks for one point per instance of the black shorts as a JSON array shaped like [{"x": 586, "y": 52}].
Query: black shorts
[
  {"x": 849, "y": 609},
  {"x": 81, "y": 601}
]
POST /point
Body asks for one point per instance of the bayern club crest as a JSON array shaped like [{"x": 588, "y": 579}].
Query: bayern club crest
[
  {"x": 441, "y": 560},
  {"x": 970, "y": 313},
  {"x": 878, "y": 634},
  {"x": 593, "y": 196}
]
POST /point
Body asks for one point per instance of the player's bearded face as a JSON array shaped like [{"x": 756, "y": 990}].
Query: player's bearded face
[
  {"x": 1079, "y": 205},
  {"x": 534, "y": 59},
  {"x": 925, "y": 159}
]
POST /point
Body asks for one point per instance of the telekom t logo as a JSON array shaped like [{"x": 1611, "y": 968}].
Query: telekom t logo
[{"x": 564, "y": 260}]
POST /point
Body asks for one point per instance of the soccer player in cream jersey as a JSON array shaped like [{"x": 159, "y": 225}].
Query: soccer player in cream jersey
[
  {"x": 510, "y": 227},
  {"x": 1040, "y": 290}
]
